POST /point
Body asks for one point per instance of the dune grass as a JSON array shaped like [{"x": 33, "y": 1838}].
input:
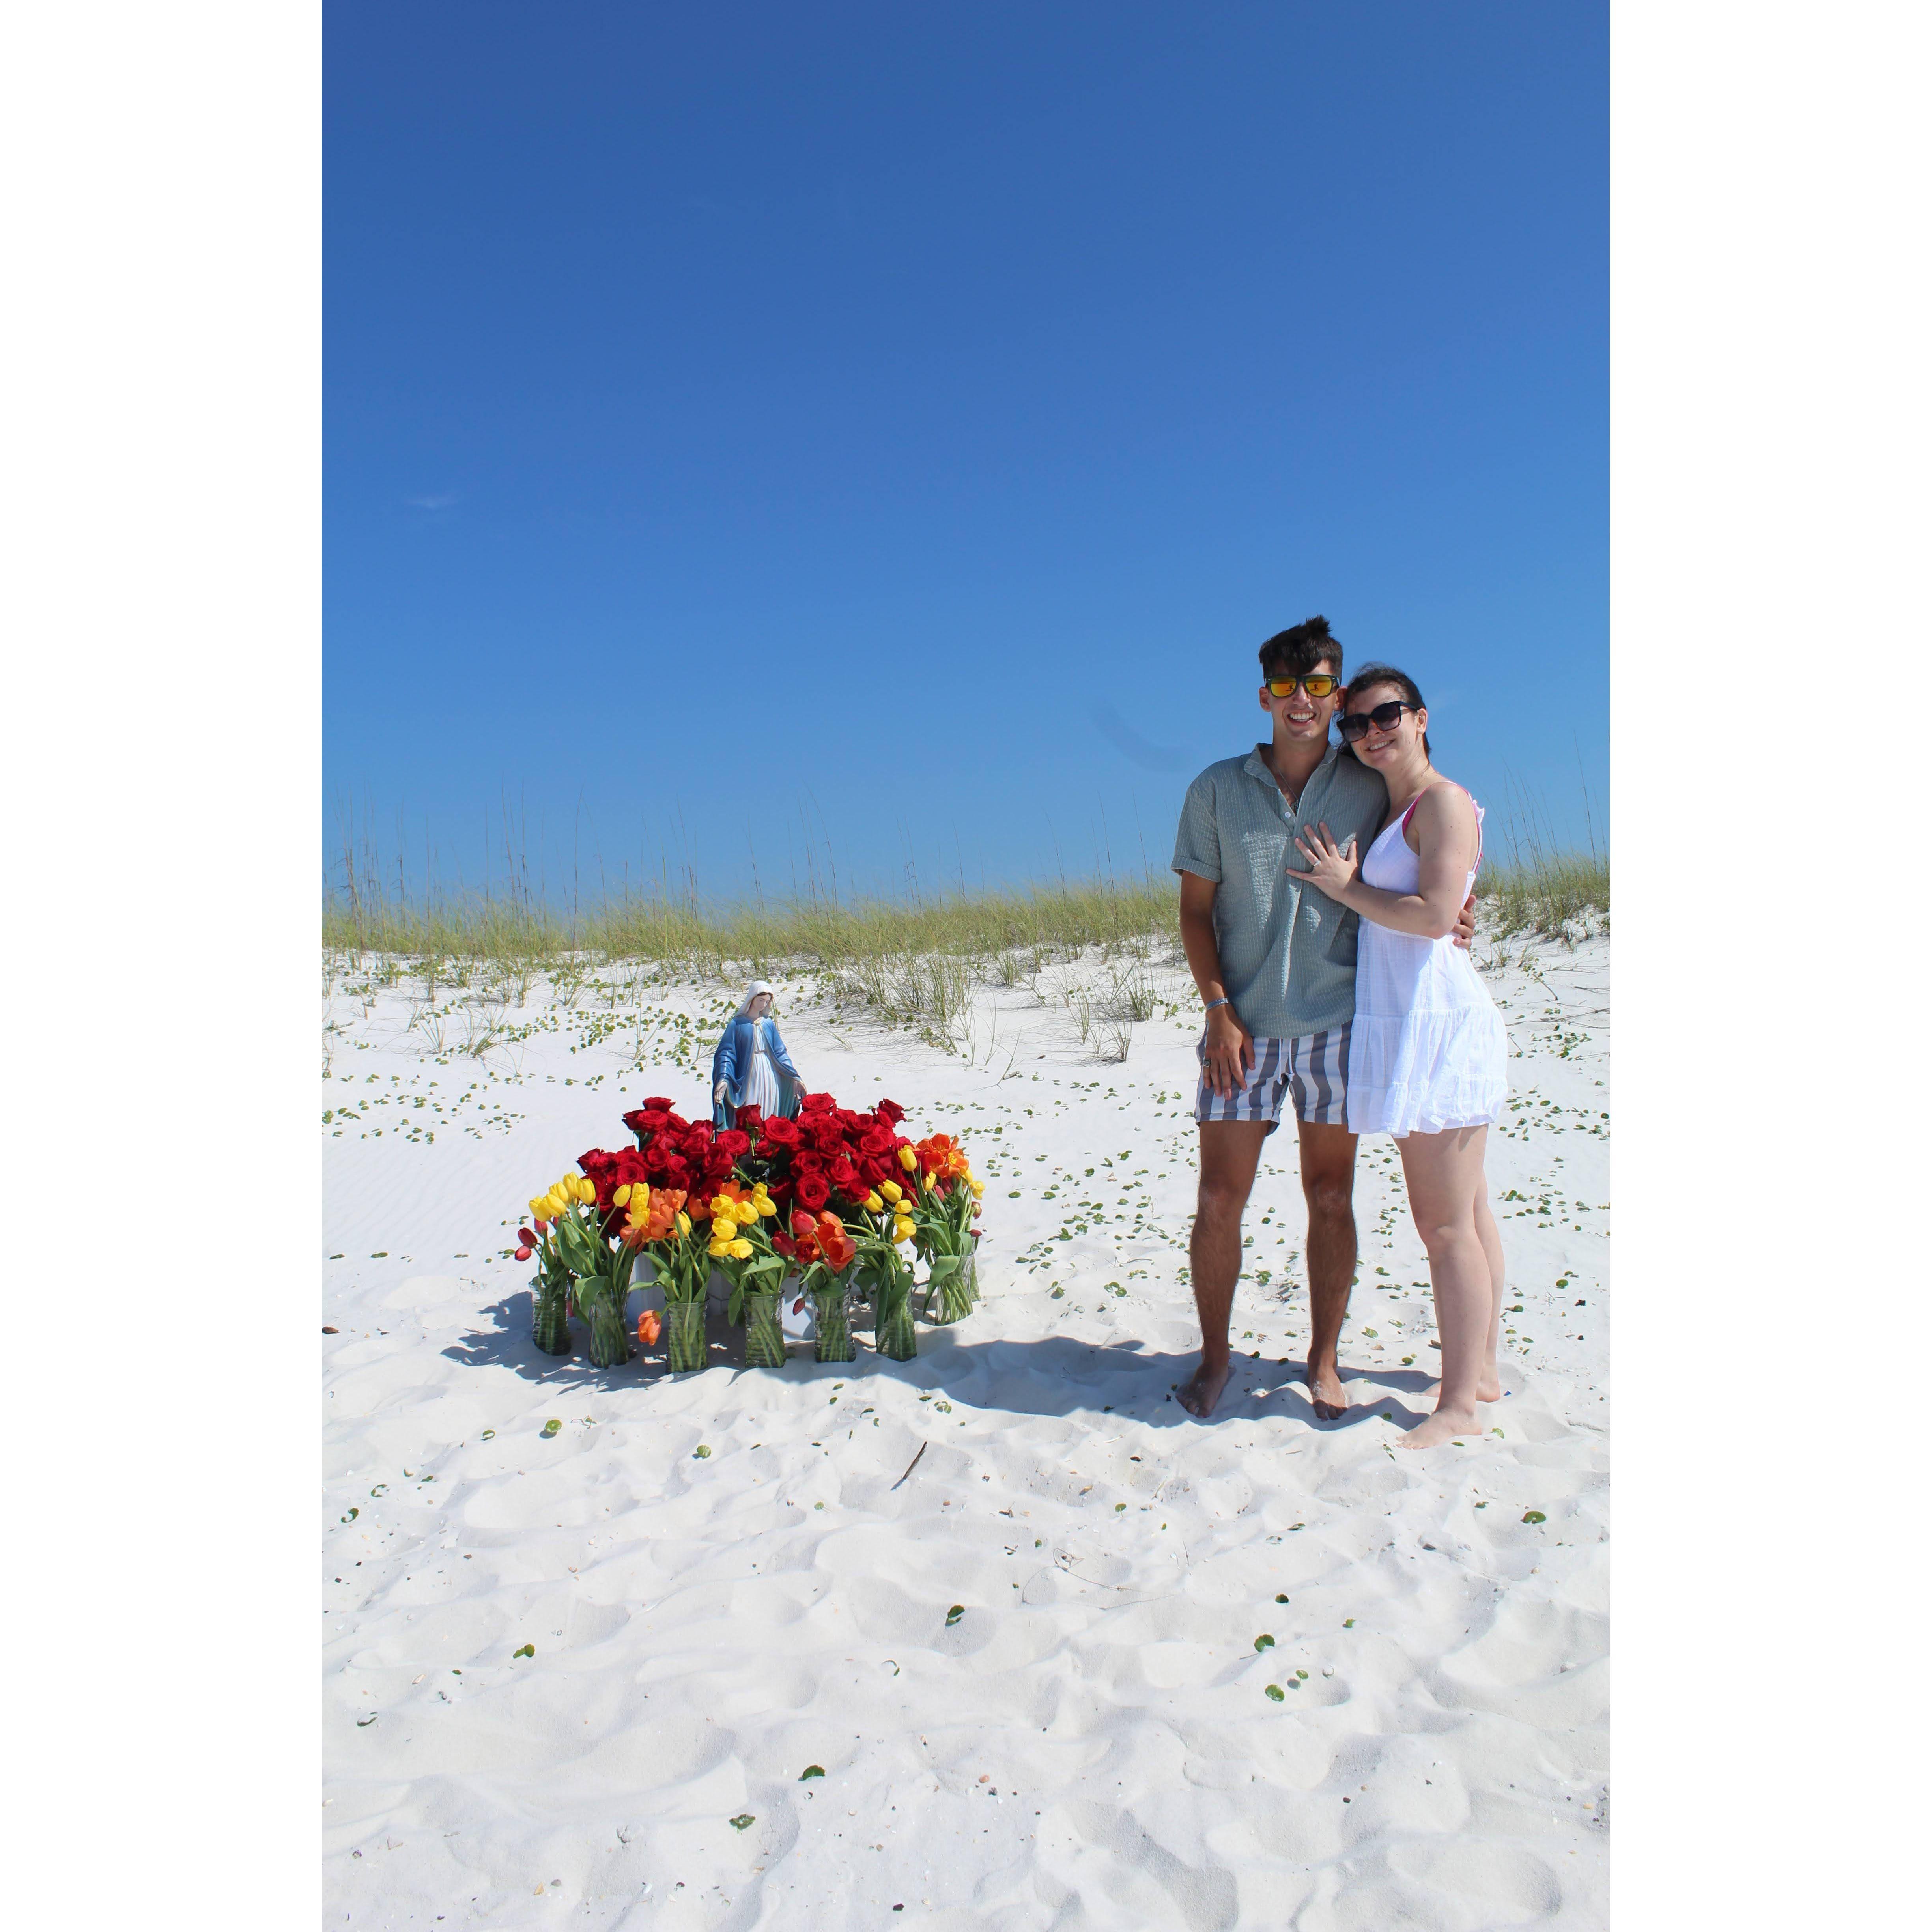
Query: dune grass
[
  {"x": 1533, "y": 882},
  {"x": 1557, "y": 894},
  {"x": 916, "y": 958},
  {"x": 715, "y": 941}
]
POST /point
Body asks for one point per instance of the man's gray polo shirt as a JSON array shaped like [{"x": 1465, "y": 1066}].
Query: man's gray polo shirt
[{"x": 1287, "y": 950}]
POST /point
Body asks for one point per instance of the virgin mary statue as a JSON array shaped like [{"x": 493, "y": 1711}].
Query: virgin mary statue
[{"x": 751, "y": 1067}]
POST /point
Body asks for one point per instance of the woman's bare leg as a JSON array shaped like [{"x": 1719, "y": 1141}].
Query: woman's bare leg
[
  {"x": 1491, "y": 1387},
  {"x": 1444, "y": 1174}
]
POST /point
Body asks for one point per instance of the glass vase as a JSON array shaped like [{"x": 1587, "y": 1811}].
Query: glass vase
[
  {"x": 610, "y": 1345},
  {"x": 764, "y": 1340},
  {"x": 550, "y": 1318},
  {"x": 684, "y": 1335},
  {"x": 834, "y": 1341},
  {"x": 893, "y": 1334},
  {"x": 948, "y": 1293}
]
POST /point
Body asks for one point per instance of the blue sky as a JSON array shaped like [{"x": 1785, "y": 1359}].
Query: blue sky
[{"x": 893, "y": 430}]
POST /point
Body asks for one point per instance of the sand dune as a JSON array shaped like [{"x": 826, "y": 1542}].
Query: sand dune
[{"x": 728, "y": 1578}]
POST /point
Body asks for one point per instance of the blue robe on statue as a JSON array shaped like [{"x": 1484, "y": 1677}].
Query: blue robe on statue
[{"x": 732, "y": 1064}]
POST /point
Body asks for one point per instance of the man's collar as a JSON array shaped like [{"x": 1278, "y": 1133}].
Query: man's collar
[{"x": 1257, "y": 766}]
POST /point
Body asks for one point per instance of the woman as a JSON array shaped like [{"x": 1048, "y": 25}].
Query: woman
[
  {"x": 1427, "y": 1052},
  {"x": 751, "y": 1067}
]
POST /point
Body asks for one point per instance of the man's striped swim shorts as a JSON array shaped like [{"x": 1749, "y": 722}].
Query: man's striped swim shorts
[{"x": 1310, "y": 1073}]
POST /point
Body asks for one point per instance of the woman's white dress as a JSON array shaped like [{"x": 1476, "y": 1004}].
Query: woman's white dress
[{"x": 1427, "y": 1049}]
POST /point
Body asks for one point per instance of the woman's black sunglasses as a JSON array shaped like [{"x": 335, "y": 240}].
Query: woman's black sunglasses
[{"x": 1383, "y": 717}]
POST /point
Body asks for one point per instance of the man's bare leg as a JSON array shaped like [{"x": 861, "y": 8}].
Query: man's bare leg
[
  {"x": 1328, "y": 1186},
  {"x": 1231, "y": 1150}
]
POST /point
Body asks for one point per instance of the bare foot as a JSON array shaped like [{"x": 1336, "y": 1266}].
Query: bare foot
[
  {"x": 1488, "y": 1390},
  {"x": 1325, "y": 1391},
  {"x": 1202, "y": 1390},
  {"x": 1446, "y": 1425}
]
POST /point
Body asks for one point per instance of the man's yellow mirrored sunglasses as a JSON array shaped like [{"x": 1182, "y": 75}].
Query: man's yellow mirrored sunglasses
[{"x": 1317, "y": 684}]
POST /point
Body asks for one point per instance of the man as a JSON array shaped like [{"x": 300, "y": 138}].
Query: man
[{"x": 1275, "y": 961}]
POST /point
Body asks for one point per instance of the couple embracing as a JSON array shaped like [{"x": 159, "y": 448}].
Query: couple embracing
[{"x": 1325, "y": 910}]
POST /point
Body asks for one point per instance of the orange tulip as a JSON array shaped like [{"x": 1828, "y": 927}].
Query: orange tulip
[
  {"x": 649, "y": 1328},
  {"x": 660, "y": 1217}
]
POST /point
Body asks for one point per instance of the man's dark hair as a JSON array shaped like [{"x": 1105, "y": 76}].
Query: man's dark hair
[{"x": 1295, "y": 652}]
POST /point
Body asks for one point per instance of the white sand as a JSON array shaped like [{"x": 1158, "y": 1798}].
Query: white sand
[{"x": 1091, "y": 1745}]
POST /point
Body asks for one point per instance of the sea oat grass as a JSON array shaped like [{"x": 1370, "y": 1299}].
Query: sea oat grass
[
  {"x": 885, "y": 950},
  {"x": 1560, "y": 895}
]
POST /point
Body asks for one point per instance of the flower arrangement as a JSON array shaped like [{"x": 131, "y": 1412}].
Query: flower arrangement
[
  {"x": 944, "y": 1205},
  {"x": 744, "y": 1250},
  {"x": 838, "y": 1194},
  {"x": 550, "y": 1318},
  {"x": 825, "y": 1253},
  {"x": 572, "y": 1227}
]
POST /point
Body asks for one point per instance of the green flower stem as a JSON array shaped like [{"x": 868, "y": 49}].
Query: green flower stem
[
  {"x": 609, "y": 1342},
  {"x": 684, "y": 1334},
  {"x": 550, "y": 1322},
  {"x": 834, "y": 1340},
  {"x": 893, "y": 1333},
  {"x": 764, "y": 1339}
]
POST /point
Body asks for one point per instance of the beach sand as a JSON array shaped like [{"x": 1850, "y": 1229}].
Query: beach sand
[{"x": 727, "y": 1578}]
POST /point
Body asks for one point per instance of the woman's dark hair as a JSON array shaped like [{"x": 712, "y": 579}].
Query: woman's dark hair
[
  {"x": 1371, "y": 675},
  {"x": 1296, "y": 652}
]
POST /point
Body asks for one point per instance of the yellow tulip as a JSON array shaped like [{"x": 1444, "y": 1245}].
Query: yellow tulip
[
  {"x": 902, "y": 1229},
  {"x": 741, "y": 1249},
  {"x": 907, "y": 1159},
  {"x": 586, "y": 1190},
  {"x": 540, "y": 1206},
  {"x": 683, "y": 1222},
  {"x": 622, "y": 1197},
  {"x": 766, "y": 1205},
  {"x": 892, "y": 1190},
  {"x": 978, "y": 1187},
  {"x": 874, "y": 1204}
]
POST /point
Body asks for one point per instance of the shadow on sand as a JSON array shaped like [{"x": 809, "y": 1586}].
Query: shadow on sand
[{"x": 1056, "y": 1376}]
